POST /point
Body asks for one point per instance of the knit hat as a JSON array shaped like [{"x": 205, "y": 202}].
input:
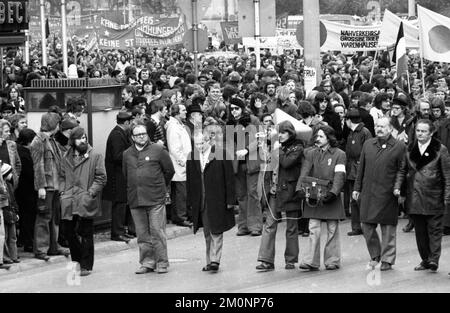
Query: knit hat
[
  {"x": 68, "y": 123},
  {"x": 49, "y": 121},
  {"x": 76, "y": 133},
  {"x": 194, "y": 108},
  {"x": 6, "y": 170},
  {"x": 237, "y": 102},
  {"x": 286, "y": 126}
]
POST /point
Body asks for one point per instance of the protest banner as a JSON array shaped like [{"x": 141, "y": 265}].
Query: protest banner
[
  {"x": 230, "y": 31},
  {"x": 342, "y": 37},
  {"x": 147, "y": 31}
]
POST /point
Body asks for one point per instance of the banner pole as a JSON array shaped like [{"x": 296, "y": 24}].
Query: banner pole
[
  {"x": 257, "y": 35},
  {"x": 195, "y": 35},
  {"x": 373, "y": 65},
  {"x": 421, "y": 58}
]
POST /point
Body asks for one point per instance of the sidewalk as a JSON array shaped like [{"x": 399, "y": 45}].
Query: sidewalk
[{"x": 103, "y": 246}]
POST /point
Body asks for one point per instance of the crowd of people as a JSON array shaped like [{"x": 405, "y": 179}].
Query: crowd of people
[{"x": 378, "y": 150}]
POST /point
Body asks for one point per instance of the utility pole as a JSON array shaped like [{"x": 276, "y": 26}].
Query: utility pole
[
  {"x": 311, "y": 35},
  {"x": 195, "y": 35},
  {"x": 43, "y": 35},
  {"x": 64, "y": 37},
  {"x": 257, "y": 35}
]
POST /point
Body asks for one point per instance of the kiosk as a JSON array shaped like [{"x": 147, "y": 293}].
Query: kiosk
[{"x": 103, "y": 101}]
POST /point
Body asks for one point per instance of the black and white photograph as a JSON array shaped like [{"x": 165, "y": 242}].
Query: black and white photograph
[{"x": 225, "y": 154}]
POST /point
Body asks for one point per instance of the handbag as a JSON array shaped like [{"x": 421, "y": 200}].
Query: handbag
[{"x": 315, "y": 189}]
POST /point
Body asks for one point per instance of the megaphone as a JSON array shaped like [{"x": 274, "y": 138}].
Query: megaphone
[{"x": 304, "y": 132}]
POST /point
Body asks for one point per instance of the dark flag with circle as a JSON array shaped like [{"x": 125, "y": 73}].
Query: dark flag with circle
[{"x": 400, "y": 58}]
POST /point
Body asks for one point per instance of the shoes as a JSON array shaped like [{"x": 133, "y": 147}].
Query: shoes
[
  {"x": 255, "y": 233},
  {"x": 16, "y": 260},
  {"x": 163, "y": 270},
  {"x": 300, "y": 232},
  {"x": 408, "y": 228},
  {"x": 355, "y": 232},
  {"x": 206, "y": 268},
  {"x": 144, "y": 270},
  {"x": 5, "y": 266},
  {"x": 129, "y": 236},
  {"x": 305, "y": 234},
  {"x": 307, "y": 267},
  {"x": 331, "y": 267},
  {"x": 265, "y": 267},
  {"x": 433, "y": 266},
  {"x": 422, "y": 267},
  {"x": 121, "y": 238},
  {"x": 63, "y": 243},
  {"x": 7, "y": 261},
  {"x": 42, "y": 256},
  {"x": 385, "y": 266},
  {"x": 243, "y": 233},
  {"x": 184, "y": 224},
  {"x": 214, "y": 266},
  {"x": 289, "y": 266},
  {"x": 85, "y": 272},
  {"x": 348, "y": 214},
  {"x": 66, "y": 253}
]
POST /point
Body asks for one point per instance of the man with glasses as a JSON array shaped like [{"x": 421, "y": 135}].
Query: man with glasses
[{"x": 148, "y": 170}]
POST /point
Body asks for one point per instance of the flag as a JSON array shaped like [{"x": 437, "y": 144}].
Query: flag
[
  {"x": 399, "y": 57},
  {"x": 434, "y": 32},
  {"x": 47, "y": 28}
]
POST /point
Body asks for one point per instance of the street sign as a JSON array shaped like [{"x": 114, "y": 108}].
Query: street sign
[
  {"x": 300, "y": 36},
  {"x": 310, "y": 78},
  {"x": 13, "y": 15},
  {"x": 188, "y": 40},
  {"x": 246, "y": 18}
]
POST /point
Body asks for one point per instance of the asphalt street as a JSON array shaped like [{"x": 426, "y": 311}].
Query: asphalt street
[{"x": 115, "y": 272}]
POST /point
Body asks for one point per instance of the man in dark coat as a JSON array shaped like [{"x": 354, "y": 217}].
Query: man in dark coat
[
  {"x": 379, "y": 166},
  {"x": 116, "y": 188},
  {"x": 364, "y": 104},
  {"x": 355, "y": 141},
  {"x": 427, "y": 166},
  {"x": 443, "y": 134},
  {"x": 211, "y": 195}
]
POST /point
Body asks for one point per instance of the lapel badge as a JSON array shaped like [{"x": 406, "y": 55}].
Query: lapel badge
[
  {"x": 147, "y": 158},
  {"x": 329, "y": 162},
  {"x": 383, "y": 146},
  {"x": 426, "y": 154}
]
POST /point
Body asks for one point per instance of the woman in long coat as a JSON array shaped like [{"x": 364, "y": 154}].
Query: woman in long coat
[{"x": 211, "y": 195}]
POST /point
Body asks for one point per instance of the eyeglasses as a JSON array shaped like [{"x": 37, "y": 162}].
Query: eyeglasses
[
  {"x": 235, "y": 108},
  {"x": 396, "y": 108},
  {"x": 328, "y": 86},
  {"x": 140, "y": 135}
]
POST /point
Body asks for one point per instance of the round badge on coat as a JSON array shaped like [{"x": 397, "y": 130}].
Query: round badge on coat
[
  {"x": 147, "y": 158},
  {"x": 383, "y": 146},
  {"x": 353, "y": 142}
]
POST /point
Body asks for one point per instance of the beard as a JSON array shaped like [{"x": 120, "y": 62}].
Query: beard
[{"x": 82, "y": 148}]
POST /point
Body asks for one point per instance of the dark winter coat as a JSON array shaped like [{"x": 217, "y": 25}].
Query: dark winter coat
[
  {"x": 355, "y": 142},
  {"x": 427, "y": 179},
  {"x": 443, "y": 133},
  {"x": 367, "y": 119},
  {"x": 219, "y": 191},
  {"x": 290, "y": 162},
  {"x": 379, "y": 166},
  {"x": 26, "y": 195},
  {"x": 81, "y": 181},
  {"x": 327, "y": 165},
  {"x": 118, "y": 141},
  {"x": 147, "y": 174}
]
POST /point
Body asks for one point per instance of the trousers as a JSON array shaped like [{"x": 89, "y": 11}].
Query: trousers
[
  {"x": 214, "y": 242},
  {"x": 268, "y": 239},
  {"x": 79, "y": 232},
  {"x": 332, "y": 252},
  {"x": 428, "y": 236},
  {"x": 250, "y": 214},
  {"x": 384, "y": 250},
  {"x": 46, "y": 226},
  {"x": 150, "y": 225}
]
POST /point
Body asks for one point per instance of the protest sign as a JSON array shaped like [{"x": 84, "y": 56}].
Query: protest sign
[
  {"x": 230, "y": 32},
  {"x": 310, "y": 78}
]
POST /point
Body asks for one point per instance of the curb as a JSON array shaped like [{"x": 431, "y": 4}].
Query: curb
[{"x": 101, "y": 249}]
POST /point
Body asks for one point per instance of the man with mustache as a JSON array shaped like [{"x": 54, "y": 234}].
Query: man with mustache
[{"x": 379, "y": 167}]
